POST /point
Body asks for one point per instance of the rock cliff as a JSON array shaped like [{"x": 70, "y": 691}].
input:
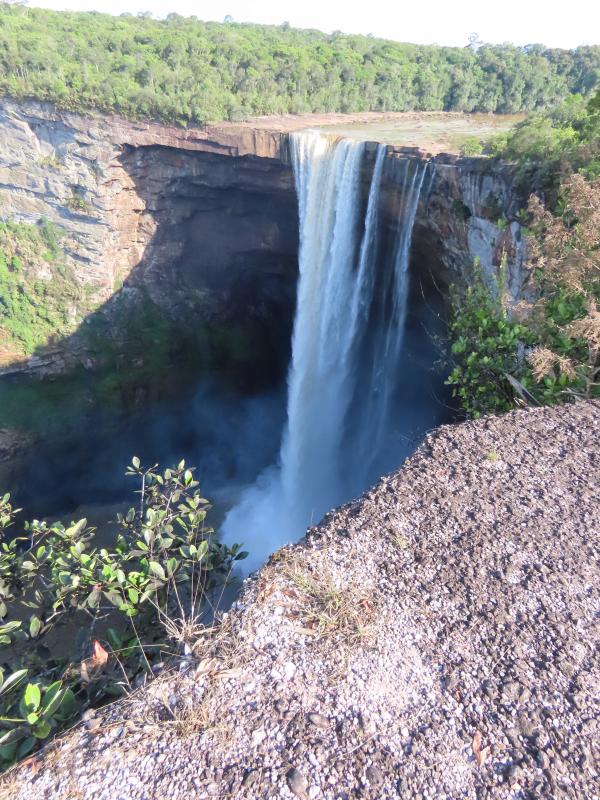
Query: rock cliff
[{"x": 205, "y": 221}]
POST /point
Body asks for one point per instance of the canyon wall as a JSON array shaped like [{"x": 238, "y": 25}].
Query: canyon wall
[{"x": 204, "y": 222}]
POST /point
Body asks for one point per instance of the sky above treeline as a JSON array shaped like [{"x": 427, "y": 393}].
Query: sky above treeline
[{"x": 549, "y": 22}]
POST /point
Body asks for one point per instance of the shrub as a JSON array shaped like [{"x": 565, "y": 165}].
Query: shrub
[
  {"x": 471, "y": 146},
  {"x": 143, "y": 596},
  {"x": 485, "y": 348},
  {"x": 78, "y": 204}
]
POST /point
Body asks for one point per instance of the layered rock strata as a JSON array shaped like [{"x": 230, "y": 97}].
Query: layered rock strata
[{"x": 205, "y": 220}]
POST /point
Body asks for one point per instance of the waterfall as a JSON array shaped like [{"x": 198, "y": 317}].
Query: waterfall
[{"x": 346, "y": 345}]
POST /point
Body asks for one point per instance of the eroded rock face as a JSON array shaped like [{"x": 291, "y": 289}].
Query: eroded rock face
[
  {"x": 467, "y": 211},
  {"x": 225, "y": 245},
  {"x": 205, "y": 221}
]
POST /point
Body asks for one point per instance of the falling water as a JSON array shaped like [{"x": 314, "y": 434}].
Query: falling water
[{"x": 346, "y": 346}]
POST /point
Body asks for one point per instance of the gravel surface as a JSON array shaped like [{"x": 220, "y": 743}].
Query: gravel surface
[{"x": 436, "y": 638}]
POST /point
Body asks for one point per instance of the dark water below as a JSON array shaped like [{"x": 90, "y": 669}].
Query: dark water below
[{"x": 80, "y": 454}]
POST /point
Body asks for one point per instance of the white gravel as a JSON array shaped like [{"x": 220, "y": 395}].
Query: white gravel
[{"x": 437, "y": 638}]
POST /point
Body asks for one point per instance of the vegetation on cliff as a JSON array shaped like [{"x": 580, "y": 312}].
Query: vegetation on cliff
[
  {"x": 547, "y": 351},
  {"x": 188, "y": 71},
  {"x": 136, "y": 599},
  {"x": 549, "y": 146},
  {"x": 39, "y": 297}
]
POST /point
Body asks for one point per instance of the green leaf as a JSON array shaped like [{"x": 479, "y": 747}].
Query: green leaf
[
  {"x": 32, "y": 718},
  {"x": 8, "y": 752},
  {"x": 68, "y": 705},
  {"x": 32, "y": 696},
  {"x": 113, "y": 597},
  {"x": 202, "y": 549},
  {"x": 26, "y": 747},
  {"x": 93, "y": 598},
  {"x": 53, "y": 697},
  {"x": 136, "y": 462},
  {"x": 13, "y": 681},
  {"x": 13, "y": 735},
  {"x": 115, "y": 638},
  {"x": 133, "y": 595},
  {"x": 35, "y": 626},
  {"x": 156, "y": 569},
  {"x": 172, "y": 564},
  {"x": 43, "y": 729},
  {"x": 76, "y": 528},
  {"x": 9, "y": 627}
]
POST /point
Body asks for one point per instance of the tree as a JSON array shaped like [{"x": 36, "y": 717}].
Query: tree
[{"x": 474, "y": 41}]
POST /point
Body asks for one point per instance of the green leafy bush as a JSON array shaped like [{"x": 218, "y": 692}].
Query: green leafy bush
[
  {"x": 485, "y": 348},
  {"x": 78, "y": 204},
  {"x": 471, "y": 146},
  {"x": 140, "y": 598}
]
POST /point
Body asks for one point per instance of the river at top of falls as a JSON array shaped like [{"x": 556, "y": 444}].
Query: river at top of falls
[{"x": 345, "y": 376}]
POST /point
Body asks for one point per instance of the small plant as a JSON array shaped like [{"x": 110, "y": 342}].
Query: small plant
[
  {"x": 33, "y": 713},
  {"x": 333, "y": 610},
  {"x": 50, "y": 162},
  {"x": 78, "y": 204},
  {"x": 144, "y": 598},
  {"x": 471, "y": 146}
]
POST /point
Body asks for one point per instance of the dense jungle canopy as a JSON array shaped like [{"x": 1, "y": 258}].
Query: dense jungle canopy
[{"x": 187, "y": 71}]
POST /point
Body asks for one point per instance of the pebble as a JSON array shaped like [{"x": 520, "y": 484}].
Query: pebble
[
  {"x": 318, "y": 720},
  {"x": 258, "y": 737},
  {"x": 297, "y": 783}
]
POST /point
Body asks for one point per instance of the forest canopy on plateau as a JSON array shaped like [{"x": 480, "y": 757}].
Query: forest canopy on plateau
[{"x": 190, "y": 72}]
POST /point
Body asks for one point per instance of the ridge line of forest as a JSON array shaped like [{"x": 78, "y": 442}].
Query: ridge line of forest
[{"x": 191, "y": 72}]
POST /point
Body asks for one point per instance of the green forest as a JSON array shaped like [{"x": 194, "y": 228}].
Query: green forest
[{"x": 191, "y": 72}]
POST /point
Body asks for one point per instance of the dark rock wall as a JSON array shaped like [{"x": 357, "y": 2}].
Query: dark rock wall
[{"x": 225, "y": 242}]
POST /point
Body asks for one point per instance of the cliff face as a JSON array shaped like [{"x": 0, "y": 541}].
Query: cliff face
[
  {"x": 467, "y": 210},
  {"x": 190, "y": 216},
  {"x": 205, "y": 221}
]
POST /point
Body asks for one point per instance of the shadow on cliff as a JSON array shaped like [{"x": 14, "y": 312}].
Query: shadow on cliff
[{"x": 188, "y": 358}]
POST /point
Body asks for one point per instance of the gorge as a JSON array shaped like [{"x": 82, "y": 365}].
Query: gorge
[
  {"x": 153, "y": 224},
  {"x": 299, "y": 402}
]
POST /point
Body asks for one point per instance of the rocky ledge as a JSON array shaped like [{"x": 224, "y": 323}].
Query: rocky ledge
[{"x": 437, "y": 638}]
